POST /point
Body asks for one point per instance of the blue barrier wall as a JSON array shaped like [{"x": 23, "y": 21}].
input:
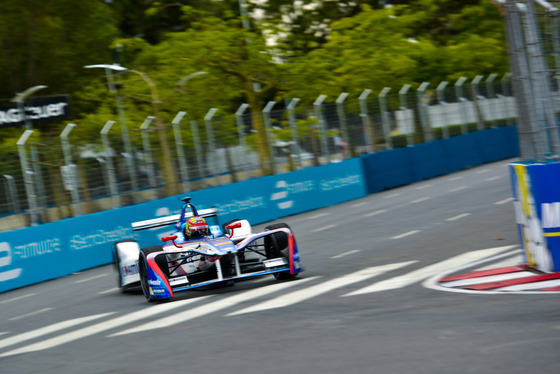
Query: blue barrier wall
[
  {"x": 401, "y": 166},
  {"x": 52, "y": 250}
]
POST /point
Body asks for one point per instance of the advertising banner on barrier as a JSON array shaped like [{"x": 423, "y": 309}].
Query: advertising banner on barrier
[
  {"x": 536, "y": 195},
  {"x": 53, "y": 250}
]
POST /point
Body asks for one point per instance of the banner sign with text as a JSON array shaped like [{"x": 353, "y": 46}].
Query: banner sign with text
[{"x": 47, "y": 109}]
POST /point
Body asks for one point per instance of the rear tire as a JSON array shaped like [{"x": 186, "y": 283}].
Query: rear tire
[
  {"x": 143, "y": 268},
  {"x": 276, "y": 245}
]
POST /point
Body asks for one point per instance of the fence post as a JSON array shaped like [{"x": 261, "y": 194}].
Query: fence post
[
  {"x": 148, "y": 154},
  {"x": 28, "y": 177},
  {"x": 474, "y": 85},
  {"x": 490, "y": 96},
  {"x": 11, "y": 193},
  {"x": 441, "y": 100},
  {"x": 322, "y": 125},
  {"x": 268, "y": 128},
  {"x": 241, "y": 133},
  {"x": 404, "y": 107},
  {"x": 213, "y": 168},
  {"x": 296, "y": 149},
  {"x": 109, "y": 164},
  {"x": 180, "y": 149},
  {"x": 461, "y": 102},
  {"x": 72, "y": 170},
  {"x": 344, "y": 126},
  {"x": 423, "y": 111},
  {"x": 368, "y": 133},
  {"x": 385, "y": 117},
  {"x": 506, "y": 80},
  {"x": 198, "y": 150}
]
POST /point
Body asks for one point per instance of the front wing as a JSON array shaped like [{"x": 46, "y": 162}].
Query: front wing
[{"x": 160, "y": 287}]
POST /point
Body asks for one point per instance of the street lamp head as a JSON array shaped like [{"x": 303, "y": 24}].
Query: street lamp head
[
  {"x": 184, "y": 80},
  {"x": 20, "y": 97},
  {"x": 115, "y": 67}
]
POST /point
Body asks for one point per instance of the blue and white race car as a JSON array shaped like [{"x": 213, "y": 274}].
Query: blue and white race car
[{"x": 200, "y": 254}]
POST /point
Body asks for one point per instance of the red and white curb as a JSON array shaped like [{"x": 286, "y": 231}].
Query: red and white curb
[{"x": 511, "y": 279}]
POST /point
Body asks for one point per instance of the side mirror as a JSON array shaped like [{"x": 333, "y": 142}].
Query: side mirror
[
  {"x": 168, "y": 238},
  {"x": 232, "y": 226},
  {"x": 172, "y": 239}
]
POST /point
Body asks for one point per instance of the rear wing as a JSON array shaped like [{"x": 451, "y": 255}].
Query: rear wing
[{"x": 165, "y": 221}]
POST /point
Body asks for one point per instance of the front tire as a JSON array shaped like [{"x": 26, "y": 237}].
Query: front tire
[
  {"x": 143, "y": 268},
  {"x": 276, "y": 245},
  {"x": 117, "y": 263}
]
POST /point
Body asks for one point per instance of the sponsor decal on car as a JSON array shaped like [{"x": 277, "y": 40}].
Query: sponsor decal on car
[
  {"x": 178, "y": 280},
  {"x": 130, "y": 269},
  {"x": 275, "y": 262},
  {"x": 156, "y": 282}
]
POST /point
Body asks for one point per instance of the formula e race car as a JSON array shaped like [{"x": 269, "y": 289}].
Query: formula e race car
[{"x": 199, "y": 254}]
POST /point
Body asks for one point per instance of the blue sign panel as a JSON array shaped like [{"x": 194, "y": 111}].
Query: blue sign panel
[{"x": 537, "y": 209}]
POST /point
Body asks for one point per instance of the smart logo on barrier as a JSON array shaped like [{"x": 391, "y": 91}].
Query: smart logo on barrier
[
  {"x": 287, "y": 188},
  {"x": 6, "y": 260}
]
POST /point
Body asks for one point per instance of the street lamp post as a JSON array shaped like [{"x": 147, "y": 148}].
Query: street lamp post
[
  {"x": 19, "y": 99},
  {"x": 109, "y": 68}
]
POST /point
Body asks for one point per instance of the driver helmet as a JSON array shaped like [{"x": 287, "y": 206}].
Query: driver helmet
[{"x": 196, "y": 227}]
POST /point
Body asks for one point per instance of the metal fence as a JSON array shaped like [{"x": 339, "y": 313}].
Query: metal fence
[
  {"x": 533, "y": 39},
  {"x": 51, "y": 180}
]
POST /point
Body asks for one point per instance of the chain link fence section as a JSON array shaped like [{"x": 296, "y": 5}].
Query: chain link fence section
[{"x": 534, "y": 52}]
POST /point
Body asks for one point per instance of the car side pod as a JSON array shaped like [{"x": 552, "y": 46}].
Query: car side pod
[{"x": 157, "y": 281}]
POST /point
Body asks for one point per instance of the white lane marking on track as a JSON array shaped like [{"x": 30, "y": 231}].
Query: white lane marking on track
[
  {"x": 458, "y": 189},
  {"x": 422, "y": 187},
  {"x": 482, "y": 171},
  {"x": 100, "y": 327},
  {"x": 421, "y": 199},
  {"x": 504, "y": 201},
  {"x": 16, "y": 339},
  {"x": 360, "y": 204},
  {"x": 459, "y": 216},
  {"x": 346, "y": 253},
  {"x": 392, "y": 195},
  {"x": 30, "y": 314},
  {"x": 91, "y": 278},
  {"x": 375, "y": 213},
  {"x": 319, "y": 215},
  {"x": 428, "y": 271},
  {"x": 111, "y": 290},
  {"x": 3, "y": 333},
  {"x": 406, "y": 234},
  {"x": 324, "y": 228},
  {"x": 513, "y": 261},
  {"x": 454, "y": 179},
  {"x": 212, "y": 307},
  {"x": 18, "y": 298},
  {"x": 321, "y": 288},
  {"x": 493, "y": 178}
]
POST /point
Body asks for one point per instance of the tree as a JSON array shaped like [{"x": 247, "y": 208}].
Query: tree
[{"x": 48, "y": 42}]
